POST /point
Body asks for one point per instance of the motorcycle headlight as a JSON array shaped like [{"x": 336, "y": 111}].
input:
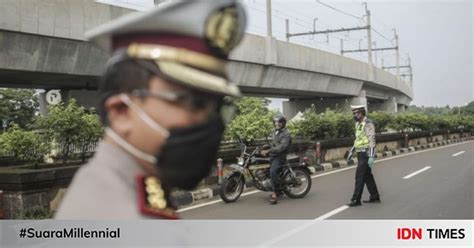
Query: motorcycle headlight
[{"x": 240, "y": 161}]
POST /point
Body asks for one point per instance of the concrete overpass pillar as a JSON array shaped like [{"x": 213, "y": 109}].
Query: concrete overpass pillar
[
  {"x": 86, "y": 98},
  {"x": 390, "y": 105},
  {"x": 65, "y": 96},
  {"x": 361, "y": 99},
  {"x": 293, "y": 106},
  {"x": 341, "y": 104},
  {"x": 43, "y": 105},
  {"x": 401, "y": 108}
]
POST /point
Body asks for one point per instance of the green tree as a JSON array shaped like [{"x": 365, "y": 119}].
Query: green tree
[
  {"x": 90, "y": 133},
  {"x": 253, "y": 120},
  {"x": 18, "y": 106},
  {"x": 28, "y": 146},
  {"x": 430, "y": 110},
  {"x": 64, "y": 124},
  {"x": 338, "y": 125},
  {"x": 381, "y": 120},
  {"x": 329, "y": 124},
  {"x": 468, "y": 109}
]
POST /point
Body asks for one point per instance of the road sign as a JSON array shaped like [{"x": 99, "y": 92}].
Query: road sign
[{"x": 53, "y": 97}]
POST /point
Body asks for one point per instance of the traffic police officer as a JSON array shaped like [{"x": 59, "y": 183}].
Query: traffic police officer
[
  {"x": 364, "y": 146},
  {"x": 162, "y": 105}
]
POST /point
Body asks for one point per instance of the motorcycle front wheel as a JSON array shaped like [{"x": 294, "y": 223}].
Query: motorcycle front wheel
[
  {"x": 232, "y": 187},
  {"x": 301, "y": 184}
]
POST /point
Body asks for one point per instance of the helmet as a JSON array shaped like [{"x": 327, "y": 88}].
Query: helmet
[
  {"x": 281, "y": 119},
  {"x": 358, "y": 108}
]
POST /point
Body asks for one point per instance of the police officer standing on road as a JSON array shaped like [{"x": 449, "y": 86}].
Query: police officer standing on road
[
  {"x": 364, "y": 146},
  {"x": 281, "y": 142},
  {"x": 162, "y": 105}
]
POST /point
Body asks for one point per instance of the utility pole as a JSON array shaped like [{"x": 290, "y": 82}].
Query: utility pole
[
  {"x": 375, "y": 53},
  {"x": 342, "y": 47},
  {"x": 287, "y": 28},
  {"x": 398, "y": 53},
  {"x": 410, "y": 71},
  {"x": 325, "y": 32},
  {"x": 369, "y": 35},
  {"x": 269, "y": 18},
  {"x": 369, "y": 49}
]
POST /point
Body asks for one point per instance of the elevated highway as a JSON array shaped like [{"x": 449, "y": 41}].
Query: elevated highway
[{"x": 42, "y": 46}]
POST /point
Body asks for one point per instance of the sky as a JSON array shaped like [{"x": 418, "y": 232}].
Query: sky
[{"x": 437, "y": 35}]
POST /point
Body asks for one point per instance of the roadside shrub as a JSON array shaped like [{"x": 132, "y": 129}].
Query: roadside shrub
[
  {"x": 70, "y": 126},
  {"x": 381, "y": 120},
  {"x": 25, "y": 145},
  {"x": 326, "y": 125},
  {"x": 253, "y": 120}
]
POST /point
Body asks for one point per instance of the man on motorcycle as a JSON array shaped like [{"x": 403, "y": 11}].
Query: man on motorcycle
[{"x": 278, "y": 151}]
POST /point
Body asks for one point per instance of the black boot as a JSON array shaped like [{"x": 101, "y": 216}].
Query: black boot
[
  {"x": 377, "y": 200},
  {"x": 354, "y": 203}
]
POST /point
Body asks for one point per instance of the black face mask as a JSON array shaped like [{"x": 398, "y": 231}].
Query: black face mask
[
  {"x": 189, "y": 154},
  {"x": 355, "y": 118}
]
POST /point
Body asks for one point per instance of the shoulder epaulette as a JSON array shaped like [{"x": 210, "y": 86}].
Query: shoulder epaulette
[{"x": 152, "y": 199}]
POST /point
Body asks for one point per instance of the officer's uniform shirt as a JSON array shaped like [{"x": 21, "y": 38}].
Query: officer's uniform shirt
[
  {"x": 369, "y": 130},
  {"x": 105, "y": 188}
]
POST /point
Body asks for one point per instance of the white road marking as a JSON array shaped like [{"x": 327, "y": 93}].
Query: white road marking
[
  {"x": 333, "y": 212},
  {"x": 416, "y": 172},
  {"x": 324, "y": 174},
  {"x": 198, "y": 206},
  {"x": 459, "y": 153}
]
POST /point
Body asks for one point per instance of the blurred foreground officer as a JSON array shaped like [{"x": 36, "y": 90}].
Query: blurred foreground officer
[
  {"x": 364, "y": 146},
  {"x": 162, "y": 103}
]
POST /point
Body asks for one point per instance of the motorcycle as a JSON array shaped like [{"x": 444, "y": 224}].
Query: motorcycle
[{"x": 295, "y": 180}]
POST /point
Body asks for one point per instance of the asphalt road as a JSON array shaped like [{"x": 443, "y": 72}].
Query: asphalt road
[{"x": 429, "y": 184}]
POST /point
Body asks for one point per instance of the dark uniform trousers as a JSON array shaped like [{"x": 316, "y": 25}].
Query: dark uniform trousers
[
  {"x": 364, "y": 176},
  {"x": 277, "y": 163}
]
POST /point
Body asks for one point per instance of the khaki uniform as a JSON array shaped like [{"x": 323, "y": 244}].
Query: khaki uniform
[{"x": 105, "y": 188}]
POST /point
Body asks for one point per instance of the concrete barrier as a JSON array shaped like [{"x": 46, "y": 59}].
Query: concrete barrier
[{"x": 327, "y": 166}]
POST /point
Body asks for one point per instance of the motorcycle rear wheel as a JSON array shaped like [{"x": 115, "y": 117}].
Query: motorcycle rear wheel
[
  {"x": 231, "y": 188},
  {"x": 302, "y": 190}
]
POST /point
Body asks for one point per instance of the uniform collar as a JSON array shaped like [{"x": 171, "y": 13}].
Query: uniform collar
[
  {"x": 363, "y": 120},
  {"x": 118, "y": 160}
]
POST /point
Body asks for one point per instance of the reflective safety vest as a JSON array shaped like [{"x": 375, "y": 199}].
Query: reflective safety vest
[{"x": 361, "y": 140}]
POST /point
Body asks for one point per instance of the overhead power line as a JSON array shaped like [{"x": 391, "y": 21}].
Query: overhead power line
[
  {"x": 338, "y": 10},
  {"x": 383, "y": 36}
]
